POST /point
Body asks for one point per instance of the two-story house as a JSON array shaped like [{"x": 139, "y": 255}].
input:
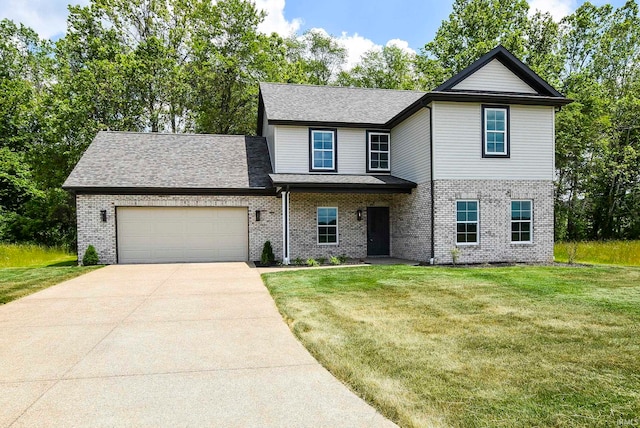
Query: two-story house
[{"x": 466, "y": 168}]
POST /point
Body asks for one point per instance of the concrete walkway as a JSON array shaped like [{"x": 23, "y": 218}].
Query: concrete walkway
[{"x": 182, "y": 345}]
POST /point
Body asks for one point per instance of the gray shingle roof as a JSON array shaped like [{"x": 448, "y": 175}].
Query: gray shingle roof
[
  {"x": 172, "y": 161},
  {"x": 333, "y": 104},
  {"x": 317, "y": 180}
]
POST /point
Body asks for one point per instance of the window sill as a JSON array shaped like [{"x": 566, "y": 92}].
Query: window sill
[
  {"x": 327, "y": 244},
  {"x": 522, "y": 243},
  {"x": 467, "y": 244}
]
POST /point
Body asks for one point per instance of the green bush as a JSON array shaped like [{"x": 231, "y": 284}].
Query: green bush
[
  {"x": 298, "y": 261},
  {"x": 312, "y": 262},
  {"x": 322, "y": 260},
  {"x": 343, "y": 258},
  {"x": 267, "y": 257},
  {"x": 335, "y": 260},
  {"x": 90, "y": 257}
]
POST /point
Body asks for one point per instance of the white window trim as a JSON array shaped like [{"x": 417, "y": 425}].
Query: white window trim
[
  {"x": 333, "y": 150},
  {"x": 388, "y": 152},
  {"x": 318, "y": 227},
  {"x": 477, "y": 222},
  {"x": 505, "y": 132},
  {"x": 530, "y": 241}
]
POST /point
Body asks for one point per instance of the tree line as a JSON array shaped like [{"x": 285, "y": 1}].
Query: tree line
[{"x": 194, "y": 66}]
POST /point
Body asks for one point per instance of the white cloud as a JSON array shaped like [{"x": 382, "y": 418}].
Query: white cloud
[
  {"x": 47, "y": 17},
  {"x": 356, "y": 46},
  {"x": 275, "y": 22},
  {"x": 557, "y": 8},
  {"x": 402, "y": 44}
]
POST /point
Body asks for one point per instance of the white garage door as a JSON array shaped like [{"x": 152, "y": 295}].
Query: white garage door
[{"x": 164, "y": 235}]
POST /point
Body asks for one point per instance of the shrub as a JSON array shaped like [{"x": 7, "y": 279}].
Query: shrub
[
  {"x": 267, "y": 257},
  {"x": 455, "y": 255},
  {"x": 322, "y": 260},
  {"x": 343, "y": 258},
  {"x": 298, "y": 261},
  {"x": 335, "y": 260},
  {"x": 90, "y": 257},
  {"x": 312, "y": 262}
]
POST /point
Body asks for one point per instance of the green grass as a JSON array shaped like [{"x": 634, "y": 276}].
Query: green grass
[
  {"x": 25, "y": 269},
  {"x": 499, "y": 347},
  {"x": 624, "y": 253},
  {"x": 12, "y": 255}
]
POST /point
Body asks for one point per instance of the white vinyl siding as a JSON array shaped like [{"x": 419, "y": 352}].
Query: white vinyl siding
[
  {"x": 494, "y": 76},
  {"x": 172, "y": 234},
  {"x": 269, "y": 133},
  {"x": 352, "y": 151},
  {"x": 457, "y": 140},
  {"x": 410, "y": 148},
  {"x": 292, "y": 150}
]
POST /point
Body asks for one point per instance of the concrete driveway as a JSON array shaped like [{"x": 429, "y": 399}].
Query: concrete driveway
[{"x": 164, "y": 345}]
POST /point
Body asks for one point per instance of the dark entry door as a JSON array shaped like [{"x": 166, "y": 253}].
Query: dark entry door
[{"x": 378, "y": 231}]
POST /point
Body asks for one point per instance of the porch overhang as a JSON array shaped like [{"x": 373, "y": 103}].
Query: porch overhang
[{"x": 341, "y": 183}]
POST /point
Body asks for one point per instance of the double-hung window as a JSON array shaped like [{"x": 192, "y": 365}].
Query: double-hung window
[
  {"x": 495, "y": 133},
  {"x": 521, "y": 221},
  {"x": 323, "y": 150},
  {"x": 378, "y": 147},
  {"x": 466, "y": 222},
  {"x": 327, "y": 225}
]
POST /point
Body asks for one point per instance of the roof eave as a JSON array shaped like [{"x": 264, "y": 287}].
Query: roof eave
[
  {"x": 328, "y": 124},
  {"x": 142, "y": 190}
]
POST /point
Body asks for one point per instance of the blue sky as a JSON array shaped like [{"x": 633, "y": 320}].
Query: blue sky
[{"x": 360, "y": 25}]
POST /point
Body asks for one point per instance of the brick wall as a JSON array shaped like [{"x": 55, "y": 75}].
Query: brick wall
[
  {"x": 352, "y": 234},
  {"x": 494, "y": 198},
  {"x": 411, "y": 224},
  {"x": 102, "y": 235}
]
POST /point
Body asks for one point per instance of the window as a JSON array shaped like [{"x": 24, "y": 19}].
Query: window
[
  {"x": 327, "y": 225},
  {"x": 521, "y": 221},
  {"x": 378, "y": 148},
  {"x": 495, "y": 135},
  {"x": 323, "y": 149},
  {"x": 467, "y": 222}
]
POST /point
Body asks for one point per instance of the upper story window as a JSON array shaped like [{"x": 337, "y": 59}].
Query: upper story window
[
  {"x": 521, "y": 221},
  {"x": 323, "y": 148},
  {"x": 466, "y": 222},
  {"x": 378, "y": 149},
  {"x": 495, "y": 132}
]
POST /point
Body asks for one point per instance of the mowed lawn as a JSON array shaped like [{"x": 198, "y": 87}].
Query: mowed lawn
[
  {"x": 25, "y": 269},
  {"x": 499, "y": 347}
]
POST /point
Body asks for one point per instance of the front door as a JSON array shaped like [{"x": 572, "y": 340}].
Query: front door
[{"x": 378, "y": 231}]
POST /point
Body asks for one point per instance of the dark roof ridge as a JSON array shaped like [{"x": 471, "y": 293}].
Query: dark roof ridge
[
  {"x": 343, "y": 87},
  {"x": 190, "y": 134}
]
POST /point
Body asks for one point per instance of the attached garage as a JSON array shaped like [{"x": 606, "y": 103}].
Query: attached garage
[{"x": 181, "y": 234}]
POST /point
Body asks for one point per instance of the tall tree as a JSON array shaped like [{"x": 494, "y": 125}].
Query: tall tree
[{"x": 388, "y": 68}]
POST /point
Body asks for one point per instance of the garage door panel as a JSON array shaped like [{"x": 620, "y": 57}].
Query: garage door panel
[{"x": 167, "y": 234}]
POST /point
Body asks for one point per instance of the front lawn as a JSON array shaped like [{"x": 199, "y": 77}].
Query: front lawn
[
  {"x": 515, "y": 346},
  {"x": 25, "y": 269}
]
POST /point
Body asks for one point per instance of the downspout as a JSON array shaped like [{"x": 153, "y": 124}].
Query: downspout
[
  {"x": 433, "y": 234},
  {"x": 285, "y": 227}
]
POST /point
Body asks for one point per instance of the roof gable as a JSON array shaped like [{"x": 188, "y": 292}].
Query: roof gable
[
  {"x": 494, "y": 77},
  {"x": 477, "y": 76}
]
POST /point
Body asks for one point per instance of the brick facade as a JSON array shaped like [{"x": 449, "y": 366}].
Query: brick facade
[
  {"x": 494, "y": 197},
  {"x": 409, "y": 214},
  {"x": 102, "y": 235},
  {"x": 352, "y": 234}
]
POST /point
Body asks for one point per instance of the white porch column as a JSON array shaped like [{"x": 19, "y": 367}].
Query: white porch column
[{"x": 285, "y": 228}]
